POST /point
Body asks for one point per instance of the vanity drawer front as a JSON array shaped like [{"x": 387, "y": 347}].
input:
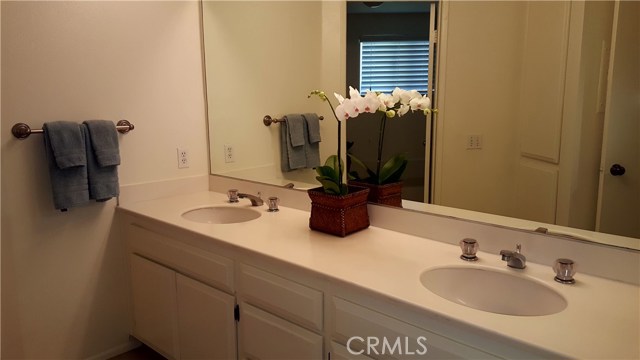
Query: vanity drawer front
[
  {"x": 283, "y": 297},
  {"x": 262, "y": 335},
  {"x": 358, "y": 327},
  {"x": 209, "y": 268}
]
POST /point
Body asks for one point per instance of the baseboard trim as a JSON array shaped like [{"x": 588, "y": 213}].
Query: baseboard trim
[{"x": 116, "y": 350}]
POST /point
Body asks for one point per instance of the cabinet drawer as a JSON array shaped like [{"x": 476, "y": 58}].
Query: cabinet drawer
[
  {"x": 286, "y": 298},
  {"x": 265, "y": 336},
  {"x": 209, "y": 268},
  {"x": 383, "y": 337}
]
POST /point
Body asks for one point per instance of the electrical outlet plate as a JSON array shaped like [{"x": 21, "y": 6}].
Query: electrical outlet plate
[
  {"x": 229, "y": 155},
  {"x": 183, "y": 158},
  {"x": 474, "y": 142}
]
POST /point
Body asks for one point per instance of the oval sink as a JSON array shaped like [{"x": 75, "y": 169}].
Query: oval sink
[
  {"x": 221, "y": 215},
  {"x": 493, "y": 291}
]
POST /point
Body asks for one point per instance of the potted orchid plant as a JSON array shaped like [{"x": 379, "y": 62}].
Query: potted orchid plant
[
  {"x": 337, "y": 208},
  {"x": 384, "y": 180},
  {"x": 398, "y": 103}
]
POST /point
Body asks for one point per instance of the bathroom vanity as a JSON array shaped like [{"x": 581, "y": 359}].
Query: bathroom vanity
[{"x": 270, "y": 287}]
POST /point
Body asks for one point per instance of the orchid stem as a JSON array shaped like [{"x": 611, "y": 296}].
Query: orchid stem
[
  {"x": 383, "y": 123},
  {"x": 339, "y": 146}
]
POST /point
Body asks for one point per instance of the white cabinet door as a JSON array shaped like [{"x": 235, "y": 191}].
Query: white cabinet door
[
  {"x": 339, "y": 352},
  {"x": 154, "y": 305},
  {"x": 207, "y": 328},
  {"x": 265, "y": 336}
]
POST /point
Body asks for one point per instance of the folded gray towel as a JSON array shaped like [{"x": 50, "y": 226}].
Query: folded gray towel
[
  {"x": 103, "y": 180},
  {"x": 292, "y": 157},
  {"x": 313, "y": 125},
  {"x": 295, "y": 127},
  {"x": 104, "y": 140},
  {"x": 67, "y": 143},
  {"x": 312, "y": 133},
  {"x": 67, "y": 166}
]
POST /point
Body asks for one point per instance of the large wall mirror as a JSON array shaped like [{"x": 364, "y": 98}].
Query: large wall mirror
[{"x": 551, "y": 90}]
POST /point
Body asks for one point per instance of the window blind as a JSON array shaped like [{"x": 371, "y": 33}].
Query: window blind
[{"x": 387, "y": 64}]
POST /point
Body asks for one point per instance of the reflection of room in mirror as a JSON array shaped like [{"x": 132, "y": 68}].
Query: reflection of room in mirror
[{"x": 539, "y": 81}]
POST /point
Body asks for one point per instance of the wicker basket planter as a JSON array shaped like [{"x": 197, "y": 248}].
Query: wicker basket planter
[
  {"x": 389, "y": 194},
  {"x": 339, "y": 215}
]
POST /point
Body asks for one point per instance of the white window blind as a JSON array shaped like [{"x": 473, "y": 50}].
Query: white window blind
[{"x": 387, "y": 64}]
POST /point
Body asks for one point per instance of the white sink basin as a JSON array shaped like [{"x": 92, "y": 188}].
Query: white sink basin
[
  {"x": 493, "y": 291},
  {"x": 221, "y": 214}
]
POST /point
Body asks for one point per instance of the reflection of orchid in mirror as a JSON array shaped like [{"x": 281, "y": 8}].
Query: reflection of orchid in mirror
[{"x": 399, "y": 102}]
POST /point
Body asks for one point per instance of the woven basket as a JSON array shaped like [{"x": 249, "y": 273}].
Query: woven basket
[
  {"x": 389, "y": 194},
  {"x": 339, "y": 215}
]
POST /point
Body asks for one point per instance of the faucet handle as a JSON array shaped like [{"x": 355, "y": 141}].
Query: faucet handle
[
  {"x": 469, "y": 248},
  {"x": 232, "y": 194},
  {"x": 565, "y": 269},
  {"x": 273, "y": 204}
]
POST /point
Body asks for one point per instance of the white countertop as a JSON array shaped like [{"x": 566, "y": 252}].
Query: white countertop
[{"x": 602, "y": 319}]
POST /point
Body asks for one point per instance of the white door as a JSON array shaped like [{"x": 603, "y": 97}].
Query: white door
[
  {"x": 206, "y": 325},
  {"x": 153, "y": 289},
  {"x": 619, "y": 193}
]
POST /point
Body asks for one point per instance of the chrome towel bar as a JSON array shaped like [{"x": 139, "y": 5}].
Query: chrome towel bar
[{"x": 22, "y": 130}]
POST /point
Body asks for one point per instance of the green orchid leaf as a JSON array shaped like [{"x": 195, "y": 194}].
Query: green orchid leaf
[
  {"x": 392, "y": 170},
  {"x": 332, "y": 161},
  {"x": 329, "y": 186},
  {"x": 328, "y": 172},
  {"x": 344, "y": 189},
  {"x": 357, "y": 161}
]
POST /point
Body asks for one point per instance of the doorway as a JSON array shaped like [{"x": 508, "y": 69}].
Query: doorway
[{"x": 400, "y": 27}]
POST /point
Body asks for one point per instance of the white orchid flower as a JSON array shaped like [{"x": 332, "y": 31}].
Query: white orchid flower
[
  {"x": 339, "y": 97},
  {"x": 354, "y": 93},
  {"x": 386, "y": 101},
  {"x": 371, "y": 102},
  {"x": 346, "y": 110},
  {"x": 420, "y": 103},
  {"x": 403, "y": 109}
]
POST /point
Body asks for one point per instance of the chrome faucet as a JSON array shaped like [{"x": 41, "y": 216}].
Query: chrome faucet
[
  {"x": 514, "y": 259},
  {"x": 255, "y": 200}
]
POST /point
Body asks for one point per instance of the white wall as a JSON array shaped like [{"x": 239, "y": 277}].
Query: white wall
[{"x": 64, "y": 283}]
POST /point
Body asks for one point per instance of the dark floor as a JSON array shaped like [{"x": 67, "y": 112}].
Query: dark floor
[{"x": 142, "y": 352}]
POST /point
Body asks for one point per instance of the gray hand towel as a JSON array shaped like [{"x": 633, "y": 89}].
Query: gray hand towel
[
  {"x": 292, "y": 157},
  {"x": 103, "y": 180},
  {"x": 312, "y": 133},
  {"x": 67, "y": 165},
  {"x": 104, "y": 141},
  {"x": 295, "y": 127},
  {"x": 66, "y": 143},
  {"x": 313, "y": 125}
]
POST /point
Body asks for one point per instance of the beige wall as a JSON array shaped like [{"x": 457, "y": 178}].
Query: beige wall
[
  {"x": 64, "y": 283},
  {"x": 252, "y": 73},
  {"x": 479, "y": 78}
]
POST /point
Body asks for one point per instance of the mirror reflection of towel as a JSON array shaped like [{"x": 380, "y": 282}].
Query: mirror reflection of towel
[
  {"x": 292, "y": 131},
  {"x": 299, "y": 142},
  {"x": 312, "y": 150}
]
